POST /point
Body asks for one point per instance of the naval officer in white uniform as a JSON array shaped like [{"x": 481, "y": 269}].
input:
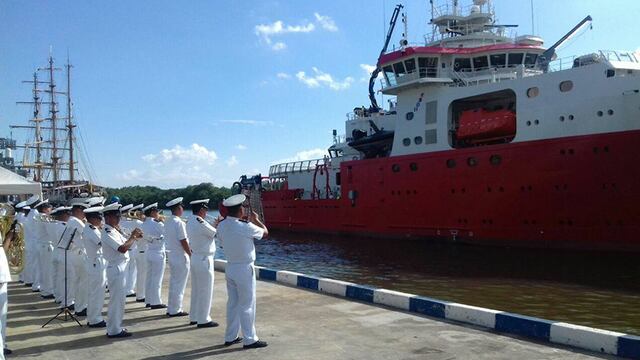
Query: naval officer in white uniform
[
  {"x": 179, "y": 253},
  {"x": 140, "y": 257},
  {"x": 127, "y": 225},
  {"x": 201, "y": 236},
  {"x": 30, "y": 242},
  {"x": 5, "y": 278},
  {"x": 96, "y": 266},
  {"x": 153, "y": 230},
  {"x": 236, "y": 236},
  {"x": 42, "y": 266},
  {"x": 115, "y": 248}
]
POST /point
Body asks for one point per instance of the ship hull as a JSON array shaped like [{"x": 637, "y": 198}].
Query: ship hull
[{"x": 580, "y": 192}]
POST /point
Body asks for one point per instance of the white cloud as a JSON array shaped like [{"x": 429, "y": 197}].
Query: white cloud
[
  {"x": 267, "y": 31},
  {"x": 279, "y": 46},
  {"x": 319, "y": 79},
  {"x": 326, "y": 22},
  {"x": 282, "y": 75},
  {"x": 193, "y": 154},
  {"x": 368, "y": 69},
  {"x": 311, "y": 154},
  {"x": 233, "y": 161},
  {"x": 241, "y": 147},
  {"x": 248, "y": 122}
]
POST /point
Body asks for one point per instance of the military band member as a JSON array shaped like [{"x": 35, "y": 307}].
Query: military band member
[
  {"x": 201, "y": 236},
  {"x": 76, "y": 257},
  {"x": 140, "y": 257},
  {"x": 55, "y": 230},
  {"x": 179, "y": 253},
  {"x": 127, "y": 225},
  {"x": 42, "y": 281},
  {"x": 236, "y": 236},
  {"x": 20, "y": 217},
  {"x": 153, "y": 230},
  {"x": 96, "y": 266},
  {"x": 115, "y": 248},
  {"x": 5, "y": 278},
  {"x": 30, "y": 242}
]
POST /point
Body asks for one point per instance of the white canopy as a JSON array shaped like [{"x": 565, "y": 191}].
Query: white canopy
[{"x": 14, "y": 184}]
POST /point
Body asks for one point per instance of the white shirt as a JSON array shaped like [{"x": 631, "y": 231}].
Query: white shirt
[
  {"x": 153, "y": 231},
  {"x": 112, "y": 239},
  {"x": 140, "y": 245},
  {"x": 174, "y": 231},
  {"x": 41, "y": 226},
  {"x": 236, "y": 237},
  {"x": 72, "y": 234},
  {"x": 5, "y": 273},
  {"x": 30, "y": 227},
  {"x": 55, "y": 230},
  {"x": 92, "y": 241},
  {"x": 201, "y": 235}
]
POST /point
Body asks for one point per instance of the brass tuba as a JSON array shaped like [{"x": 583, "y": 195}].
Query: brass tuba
[{"x": 16, "y": 253}]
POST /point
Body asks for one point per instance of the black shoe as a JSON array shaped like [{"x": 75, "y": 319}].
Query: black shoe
[
  {"x": 140, "y": 300},
  {"x": 122, "y": 334},
  {"x": 101, "y": 324},
  {"x": 208, "y": 325},
  {"x": 7, "y": 351},
  {"x": 47, "y": 297},
  {"x": 236, "y": 341},
  {"x": 72, "y": 307},
  {"x": 28, "y": 285},
  {"x": 147, "y": 305},
  {"x": 193, "y": 323},
  {"x": 181, "y": 313},
  {"x": 132, "y": 295},
  {"x": 36, "y": 290},
  {"x": 159, "y": 306},
  {"x": 58, "y": 301},
  {"x": 81, "y": 313},
  {"x": 256, "y": 345}
]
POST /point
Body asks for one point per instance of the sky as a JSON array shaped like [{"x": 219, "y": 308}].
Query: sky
[{"x": 173, "y": 93}]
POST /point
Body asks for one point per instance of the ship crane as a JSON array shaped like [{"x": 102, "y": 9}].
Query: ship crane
[
  {"x": 374, "y": 74},
  {"x": 547, "y": 56}
]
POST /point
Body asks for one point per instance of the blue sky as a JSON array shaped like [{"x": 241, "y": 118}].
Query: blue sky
[{"x": 171, "y": 93}]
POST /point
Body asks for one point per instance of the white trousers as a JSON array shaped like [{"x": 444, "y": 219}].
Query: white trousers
[
  {"x": 45, "y": 260},
  {"x": 155, "y": 273},
  {"x": 36, "y": 268},
  {"x": 97, "y": 278},
  {"x": 201, "y": 288},
  {"x": 63, "y": 273},
  {"x": 3, "y": 318},
  {"x": 132, "y": 270},
  {"x": 179, "y": 273},
  {"x": 241, "y": 305},
  {"x": 141, "y": 274},
  {"x": 79, "y": 280},
  {"x": 31, "y": 256},
  {"x": 55, "y": 269},
  {"x": 116, "y": 277}
]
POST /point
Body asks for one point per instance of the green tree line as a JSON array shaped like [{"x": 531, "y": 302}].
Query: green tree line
[{"x": 151, "y": 194}]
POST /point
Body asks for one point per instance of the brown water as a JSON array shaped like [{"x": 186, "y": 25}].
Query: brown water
[{"x": 588, "y": 288}]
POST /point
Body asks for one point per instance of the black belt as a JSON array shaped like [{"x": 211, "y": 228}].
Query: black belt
[{"x": 141, "y": 252}]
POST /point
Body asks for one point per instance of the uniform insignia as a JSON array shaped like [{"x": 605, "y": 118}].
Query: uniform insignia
[
  {"x": 108, "y": 230},
  {"x": 92, "y": 227},
  {"x": 200, "y": 220},
  {"x": 156, "y": 220}
]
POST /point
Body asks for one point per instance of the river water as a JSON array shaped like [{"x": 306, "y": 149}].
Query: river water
[{"x": 588, "y": 288}]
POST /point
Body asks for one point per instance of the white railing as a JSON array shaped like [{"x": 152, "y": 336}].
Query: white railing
[{"x": 296, "y": 166}]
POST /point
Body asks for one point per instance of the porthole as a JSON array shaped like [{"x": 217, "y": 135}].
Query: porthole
[
  {"x": 566, "y": 86},
  {"x": 413, "y": 166},
  {"x": 406, "y": 141},
  {"x": 495, "y": 159},
  {"x": 395, "y": 168},
  {"x": 571, "y": 117},
  {"x": 528, "y": 123},
  {"x": 409, "y": 115},
  {"x": 536, "y": 122},
  {"x": 417, "y": 140},
  {"x": 561, "y": 118},
  {"x": 451, "y": 163},
  {"x": 600, "y": 113},
  {"x": 610, "y": 112},
  {"x": 533, "y": 92},
  {"x": 472, "y": 161}
]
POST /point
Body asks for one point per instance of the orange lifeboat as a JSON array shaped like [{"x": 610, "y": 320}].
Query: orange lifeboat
[{"x": 481, "y": 125}]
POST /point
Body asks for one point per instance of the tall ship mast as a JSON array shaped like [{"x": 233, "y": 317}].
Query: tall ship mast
[
  {"x": 49, "y": 154},
  {"x": 491, "y": 139}
]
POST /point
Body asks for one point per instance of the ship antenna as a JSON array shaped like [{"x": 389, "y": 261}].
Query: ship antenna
[{"x": 533, "y": 28}]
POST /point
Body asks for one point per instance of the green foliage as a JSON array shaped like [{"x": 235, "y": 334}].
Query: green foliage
[{"x": 150, "y": 194}]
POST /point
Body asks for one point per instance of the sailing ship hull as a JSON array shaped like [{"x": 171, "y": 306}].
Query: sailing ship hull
[{"x": 581, "y": 192}]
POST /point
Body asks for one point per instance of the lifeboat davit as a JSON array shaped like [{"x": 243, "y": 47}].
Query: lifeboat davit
[{"x": 481, "y": 125}]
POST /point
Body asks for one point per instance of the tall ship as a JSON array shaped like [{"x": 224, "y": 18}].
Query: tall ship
[{"x": 491, "y": 139}]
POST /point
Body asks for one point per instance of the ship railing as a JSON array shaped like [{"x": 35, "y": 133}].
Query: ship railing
[
  {"x": 488, "y": 76},
  {"x": 364, "y": 113},
  {"x": 284, "y": 169}
]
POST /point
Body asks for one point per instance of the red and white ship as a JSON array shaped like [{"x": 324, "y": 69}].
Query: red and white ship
[{"x": 491, "y": 140}]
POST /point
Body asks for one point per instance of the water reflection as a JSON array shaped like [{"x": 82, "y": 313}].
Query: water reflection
[{"x": 588, "y": 288}]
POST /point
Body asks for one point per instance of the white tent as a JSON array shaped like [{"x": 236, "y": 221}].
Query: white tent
[{"x": 14, "y": 184}]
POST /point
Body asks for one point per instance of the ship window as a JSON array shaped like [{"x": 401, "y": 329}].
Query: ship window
[
  {"x": 391, "y": 77},
  {"x": 451, "y": 163},
  {"x": 430, "y": 137},
  {"x": 472, "y": 161},
  {"x": 462, "y": 64},
  {"x": 406, "y": 141},
  {"x": 428, "y": 67},
  {"x": 515, "y": 59},
  {"x": 399, "y": 69},
  {"x": 533, "y": 92},
  {"x": 409, "y": 115},
  {"x": 338, "y": 178},
  {"x": 611, "y": 73},
  {"x": 417, "y": 140},
  {"x": 413, "y": 166},
  {"x": 480, "y": 63},
  {"x": 530, "y": 60},
  {"x": 410, "y": 65},
  {"x": 566, "y": 86},
  {"x": 395, "y": 168},
  {"x": 498, "y": 60}
]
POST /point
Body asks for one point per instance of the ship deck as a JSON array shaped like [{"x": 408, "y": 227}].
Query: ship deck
[{"x": 298, "y": 324}]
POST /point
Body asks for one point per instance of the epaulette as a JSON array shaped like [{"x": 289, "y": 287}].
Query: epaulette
[
  {"x": 63, "y": 223},
  {"x": 92, "y": 227},
  {"x": 156, "y": 220},
  {"x": 200, "y": 220},
  {"x": 243, "y": 220},
  {"x": 108, "y": 230}
]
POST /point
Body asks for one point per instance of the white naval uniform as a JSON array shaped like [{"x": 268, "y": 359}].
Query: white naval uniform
[
  {"x": 127, "y": 226},
  {"x": 155, "y": 260},
  {"x": 112, "y": 239},
  {"x": 5, "y": 278},
  {"x": 179, "y": 262},
  {"x": 96, "y": 273},
  {"x": 201, "y": 238},
  {"x": 236, "y": 238},
  {"x": 63, "y": 272},
  {"x": 45, "y": 257},
  {"x": 76, "y": 259},
  {"x": 31, "y": 249},
  {"x": 20, "y": 217},
  {"x": 141, "y": 265},
  {"x": 55, "y": 230}
]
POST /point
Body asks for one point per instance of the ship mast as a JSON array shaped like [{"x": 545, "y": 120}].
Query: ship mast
[
  {"x": 70, "y": 124},
  {"x": 53, "y": 113}
]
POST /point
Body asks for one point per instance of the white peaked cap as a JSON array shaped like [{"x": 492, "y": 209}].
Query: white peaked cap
[
  {"x": 137, "y": 207},
  {"x": 32, "y": 200},
  {"x": 234, "y": 200},
  {"x": 154, "y": 205},
  {"x": 174, "y": 202},
  {"x": 111, "y": 207},
  {"x": 126, "y": 208},
  {"x": 95, "y": 209}
]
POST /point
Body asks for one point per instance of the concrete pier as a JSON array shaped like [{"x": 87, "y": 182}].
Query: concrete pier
[{"x": 297, "y": 324}]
